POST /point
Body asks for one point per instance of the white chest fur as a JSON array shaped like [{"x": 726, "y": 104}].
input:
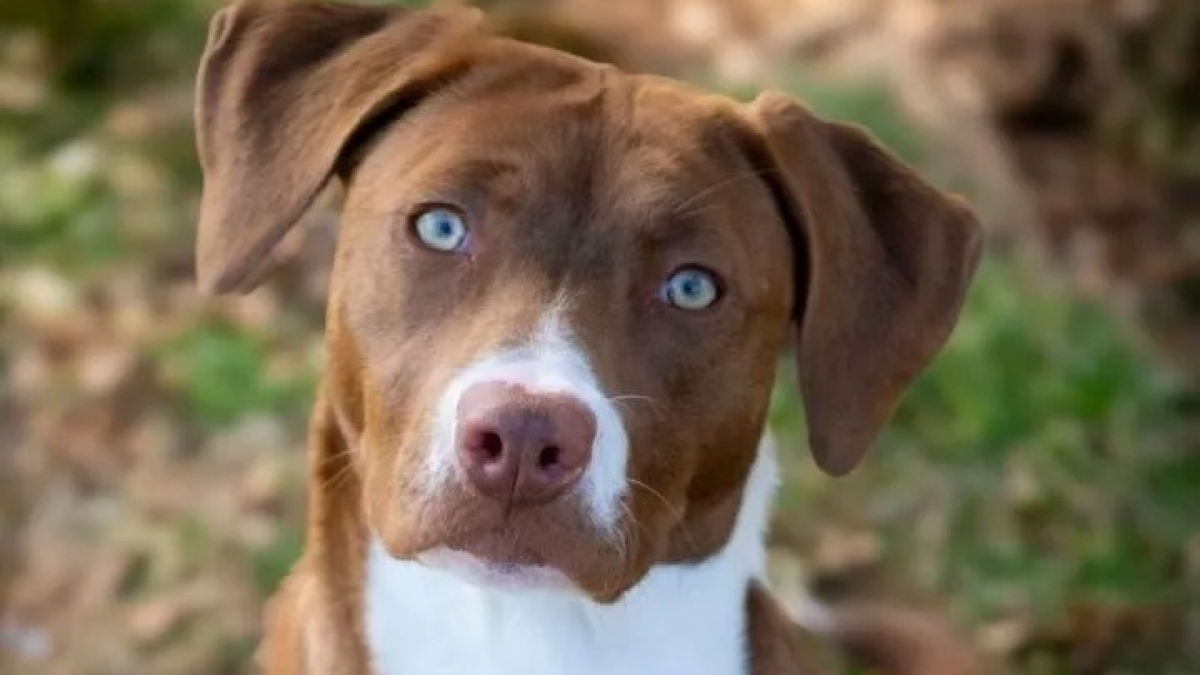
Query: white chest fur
[{"x": 679, "y": 620}]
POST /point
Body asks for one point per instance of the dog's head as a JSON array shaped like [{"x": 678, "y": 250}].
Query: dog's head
[{"x": 560, "y": 290}]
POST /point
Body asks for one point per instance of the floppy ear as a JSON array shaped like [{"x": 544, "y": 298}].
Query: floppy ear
[
  {"x": 884, "y": 260},
  {"x": 283, "y": 89}
]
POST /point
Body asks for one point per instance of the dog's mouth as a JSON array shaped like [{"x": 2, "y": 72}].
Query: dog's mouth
[
  {"x": 501, "y": 573},
  {"x": 548, "y": 549}
]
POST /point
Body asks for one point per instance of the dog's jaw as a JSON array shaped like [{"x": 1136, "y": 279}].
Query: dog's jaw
[{"x": 680, "y": 619}]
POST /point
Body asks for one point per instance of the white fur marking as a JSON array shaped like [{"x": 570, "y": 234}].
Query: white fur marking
[
  {"x": 550, "y": 363},
  {"x": 679, "y": 620}
]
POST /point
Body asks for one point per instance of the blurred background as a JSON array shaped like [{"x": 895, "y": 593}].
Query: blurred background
[{"x": 1040, "y": 485}]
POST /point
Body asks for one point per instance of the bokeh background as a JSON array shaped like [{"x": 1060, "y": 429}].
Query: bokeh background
[{"x": 1040, "y": 486}]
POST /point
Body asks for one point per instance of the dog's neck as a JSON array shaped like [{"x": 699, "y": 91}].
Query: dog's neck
[{"x": 680, "y": 619}]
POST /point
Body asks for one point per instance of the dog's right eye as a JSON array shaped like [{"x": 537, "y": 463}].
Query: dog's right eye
[
  {"x": 691, "y": 289},
  {"x": 441, "y": 229}
]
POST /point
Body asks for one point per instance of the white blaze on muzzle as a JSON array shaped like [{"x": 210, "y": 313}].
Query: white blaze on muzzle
[{"x": 549, "y": 363}]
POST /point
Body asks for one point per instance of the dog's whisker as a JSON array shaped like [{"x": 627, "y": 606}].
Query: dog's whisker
[
  {"x": 338, "y": 476},
  {"x": 675, "y": 510},
  {"x": 344, "y": 452},
  {"x": 655, "y": 405},
  {"x": 619, "y": 540},
  {"x": 751, "y": 173},
  {"x": 632, "y": 397},
  {"x": 345, "y": 455},
  {"x": 692, "y": 213},
  {"x": 624, "y": 533}
]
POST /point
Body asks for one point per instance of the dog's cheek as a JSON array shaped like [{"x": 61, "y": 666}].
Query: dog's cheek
[
  {"x": 390, "y": 450},
  {"x": 662, "y": 438},
  {"x": 661, "y": 463},
  {"x": 731, "y": 432},
  {"x": 398, "y": 511}
]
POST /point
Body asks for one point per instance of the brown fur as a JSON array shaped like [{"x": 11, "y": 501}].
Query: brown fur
[
  {"x": 776, "y": 644},
  {"x": 584, "y": 186}
]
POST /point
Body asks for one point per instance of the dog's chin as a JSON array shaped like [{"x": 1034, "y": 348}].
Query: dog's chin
[
  {"x": 551, "y": 548},
  {"x": 499, "y": 574}
]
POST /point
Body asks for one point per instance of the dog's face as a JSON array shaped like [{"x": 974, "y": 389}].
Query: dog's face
[
  {"x": 560, "y": 291},
  {"x": 603, "y": 260}
]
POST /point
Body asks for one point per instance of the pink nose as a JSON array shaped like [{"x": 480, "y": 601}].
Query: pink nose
[{"x": 522, "y": 448}]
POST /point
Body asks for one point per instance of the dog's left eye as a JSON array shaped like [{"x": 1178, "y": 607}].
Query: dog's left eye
[
  {"x": 691, "y": 288},
  {"x": 441, "y": 229}
]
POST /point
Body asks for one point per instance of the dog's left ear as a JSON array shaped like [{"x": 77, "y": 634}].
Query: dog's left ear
[
  {"x": 883, "y": 261},
  {"x": 284, "y": 89}
]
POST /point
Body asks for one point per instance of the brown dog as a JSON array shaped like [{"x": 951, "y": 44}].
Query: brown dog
[{"x": 559, "y": 296}]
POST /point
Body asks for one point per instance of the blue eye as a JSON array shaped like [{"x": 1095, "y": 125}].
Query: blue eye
[
  {"x": 692, "y": 289},
  {"x": 441, "y": 229}
]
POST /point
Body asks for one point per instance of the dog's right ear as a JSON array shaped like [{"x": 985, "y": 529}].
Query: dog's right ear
[
  {"x": 283, "y": 89},
  {"x": 884, "y": 258}
]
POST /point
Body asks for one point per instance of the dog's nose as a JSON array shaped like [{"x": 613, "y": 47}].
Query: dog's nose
[{"x": 520, "y": 447}]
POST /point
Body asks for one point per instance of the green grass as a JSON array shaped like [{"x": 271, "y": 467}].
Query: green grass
[
  {"x": 221, "y": 374},
  {"x": 272, "y": 563},
  {"x": 59, "y": 211}
]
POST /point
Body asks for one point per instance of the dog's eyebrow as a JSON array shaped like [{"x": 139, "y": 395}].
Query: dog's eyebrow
[
  {"x": 497, "y": 181},
  {"x": 663, "y": 228},
  {"x": 477, "y": 172}
]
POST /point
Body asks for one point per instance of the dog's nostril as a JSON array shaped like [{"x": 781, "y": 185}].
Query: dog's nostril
[
  {"x": 548, "y": 457},
  {"x": 492, "y": 444}
]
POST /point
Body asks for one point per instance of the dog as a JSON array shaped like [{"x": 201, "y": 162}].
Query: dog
[{"x": 558, "y": 300}]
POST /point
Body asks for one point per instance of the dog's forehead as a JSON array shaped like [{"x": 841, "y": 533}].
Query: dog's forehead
[
  {"x": 569, "y": 135},
  {"x": 550, "y": 107}
]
